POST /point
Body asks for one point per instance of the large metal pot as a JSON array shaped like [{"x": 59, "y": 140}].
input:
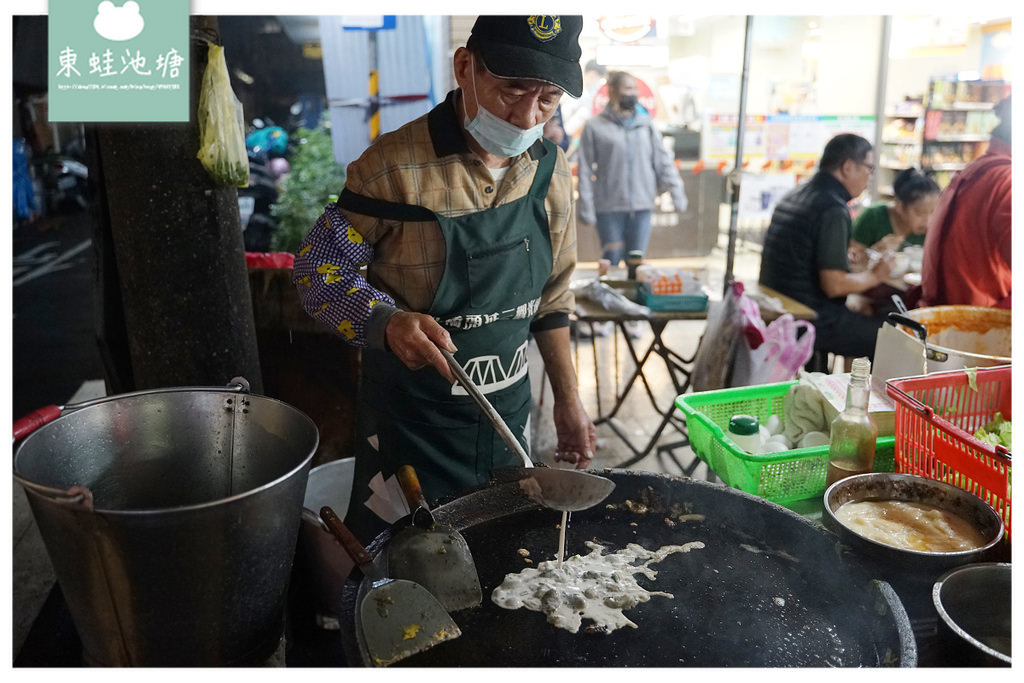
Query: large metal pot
[
  {"x": 171, "y": 518},
  {"x": 965, "y": 336},
  {"x": 326, "y": 564},
  {"x": 974, "y": 603},
  {"x": 769, "y": 588}
]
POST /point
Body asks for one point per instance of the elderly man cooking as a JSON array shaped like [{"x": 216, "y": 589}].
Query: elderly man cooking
[{"x": 464, "y": 219}]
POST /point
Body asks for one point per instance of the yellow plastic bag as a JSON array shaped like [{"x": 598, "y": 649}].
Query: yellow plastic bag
[{"x": 221, "y": 136}]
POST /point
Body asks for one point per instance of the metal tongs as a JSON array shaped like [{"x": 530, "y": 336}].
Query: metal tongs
[{"x": 566, "y": 490}]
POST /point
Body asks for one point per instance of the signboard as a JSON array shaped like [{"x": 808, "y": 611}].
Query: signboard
[
  {"x": 781, "y": 137},
  {"x": 118, "y": 62},
  {"x": 760, "y": 193},
  {"x": 626, "y": 28},
  {"x": 375, "y": 22}
]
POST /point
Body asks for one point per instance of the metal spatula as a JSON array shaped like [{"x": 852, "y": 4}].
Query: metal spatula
[
  {"x": 397, "y": 618},
  {"x": 436, "y": 556},
  {"x": 567, "y": 490}
]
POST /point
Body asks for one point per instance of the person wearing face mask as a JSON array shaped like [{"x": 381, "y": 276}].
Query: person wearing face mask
[
  {"x": 623, "y": 168},
  {"x": 464, "y": 221}
]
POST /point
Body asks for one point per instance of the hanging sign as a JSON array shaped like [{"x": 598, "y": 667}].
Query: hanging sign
[
  {"x": 626, "y": 28},
  {"x": 373, "y": 22}
]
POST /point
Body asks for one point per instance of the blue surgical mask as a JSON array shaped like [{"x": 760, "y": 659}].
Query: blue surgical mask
[{"x": 497, "y": 136}]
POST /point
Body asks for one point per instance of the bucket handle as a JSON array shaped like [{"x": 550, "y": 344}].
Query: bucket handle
[
  {"x": 76, "y": 497},
  {"x": 42, "y": 416}
]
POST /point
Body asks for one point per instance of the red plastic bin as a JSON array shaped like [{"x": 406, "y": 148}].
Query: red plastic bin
[{"x": 936, "y": 417}]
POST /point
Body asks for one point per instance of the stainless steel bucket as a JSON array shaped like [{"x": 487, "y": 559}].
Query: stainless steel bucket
[{"x": 171, "y": 518}]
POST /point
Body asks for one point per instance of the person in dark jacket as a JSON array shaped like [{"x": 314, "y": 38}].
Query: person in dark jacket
[
  {"x": 805, "y": 253},
  {"x": 623, "y": 167}
]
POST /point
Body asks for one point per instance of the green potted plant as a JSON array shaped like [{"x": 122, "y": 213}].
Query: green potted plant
[{"x": 314, "y": 178}]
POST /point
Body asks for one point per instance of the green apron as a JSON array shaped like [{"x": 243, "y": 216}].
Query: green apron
[{"x": 497, "y": 263}]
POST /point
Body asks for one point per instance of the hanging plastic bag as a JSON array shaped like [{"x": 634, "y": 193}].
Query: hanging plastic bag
[
  {"x": 221, "y": 125},
  {"x": 610, "y": 299},
  {"x": 787, "y": 346},
  {"x": 751, "y": 323},
  {"x": 712, "y": 366}
]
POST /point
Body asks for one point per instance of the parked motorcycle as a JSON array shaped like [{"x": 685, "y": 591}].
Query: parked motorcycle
[
  {"x": 266, "y": 145},
  {"x": 65, "y": 183}
]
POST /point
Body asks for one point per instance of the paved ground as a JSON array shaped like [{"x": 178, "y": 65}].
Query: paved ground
[
  {"x": 604, "y": 367},
  {"x": 56, "y": 360}
]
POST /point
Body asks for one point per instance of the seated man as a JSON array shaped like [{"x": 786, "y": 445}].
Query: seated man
[{"x": 805, "y": 248}]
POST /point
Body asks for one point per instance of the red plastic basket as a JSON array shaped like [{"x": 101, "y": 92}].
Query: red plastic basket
[{"x": 936, "y": 417}]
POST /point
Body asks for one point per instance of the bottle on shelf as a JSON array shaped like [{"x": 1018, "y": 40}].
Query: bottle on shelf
[{"x": 852, "y": 441}]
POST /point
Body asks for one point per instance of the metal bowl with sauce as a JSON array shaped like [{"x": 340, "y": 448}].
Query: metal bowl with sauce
[{"x": 886, "y": 486}]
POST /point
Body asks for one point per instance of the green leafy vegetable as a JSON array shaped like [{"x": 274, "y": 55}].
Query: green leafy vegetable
[
  {"x": 998, "y": 432},
  {"x": 972, "y": 378},
  {"x": 315, "y": 176}
]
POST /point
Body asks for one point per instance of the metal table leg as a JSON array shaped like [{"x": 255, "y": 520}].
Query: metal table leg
[{"x": 679, "y": 371}]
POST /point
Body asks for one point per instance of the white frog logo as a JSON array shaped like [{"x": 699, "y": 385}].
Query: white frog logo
[{"x": 118, "y": 23}]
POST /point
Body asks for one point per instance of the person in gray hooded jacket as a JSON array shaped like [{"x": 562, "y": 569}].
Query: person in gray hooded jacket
[{"x": 623, "y": 167}]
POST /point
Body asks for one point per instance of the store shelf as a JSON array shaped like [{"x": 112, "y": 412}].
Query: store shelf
[
  {"x": 900, "y": 141},
  {"x": 959, "y": 138},
  {"x": 957, "y": 121},
  {"x": 894, "y": 165},
  {"x": 964, "y": 106},
  {"x": 886, "y": 191}
]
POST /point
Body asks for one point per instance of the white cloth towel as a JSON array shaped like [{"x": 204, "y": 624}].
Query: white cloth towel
[{"x": 804, "y": 408}]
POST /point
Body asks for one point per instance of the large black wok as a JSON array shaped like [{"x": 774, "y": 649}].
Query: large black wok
[{"x": 770, "y": 588}]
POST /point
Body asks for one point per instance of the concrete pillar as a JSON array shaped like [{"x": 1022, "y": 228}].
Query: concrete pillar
[{"x": 177, "y": 244}]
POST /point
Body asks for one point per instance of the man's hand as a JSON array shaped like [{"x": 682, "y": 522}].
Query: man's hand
[
  {"x": 577, "y": 437},
  {"x": 414, "y": 338}
]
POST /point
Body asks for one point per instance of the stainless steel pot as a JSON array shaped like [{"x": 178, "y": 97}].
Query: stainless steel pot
[
  {"x": 914, "y": 489},
  {"x": 974, "y": 603},
  {"x": 171, "y": 518},
  {"x": 965, "y": 336},
  {"x": 326, "y": 563}
]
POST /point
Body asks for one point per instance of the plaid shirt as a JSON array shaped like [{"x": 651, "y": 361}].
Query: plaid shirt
[{"x": 427, "y": 163}]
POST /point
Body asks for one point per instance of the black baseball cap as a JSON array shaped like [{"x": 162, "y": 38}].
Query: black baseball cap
[{"x": 539, "y": 47}]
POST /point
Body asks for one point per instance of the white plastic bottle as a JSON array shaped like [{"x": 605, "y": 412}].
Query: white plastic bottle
[{"x": 746, "y": 432}]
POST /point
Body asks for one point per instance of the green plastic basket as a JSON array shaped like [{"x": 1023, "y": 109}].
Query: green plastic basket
[{"x": 782, "y": 478}]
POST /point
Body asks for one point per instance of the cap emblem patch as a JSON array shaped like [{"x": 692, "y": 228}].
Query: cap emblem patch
[{"x": 544, "y": 27}]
